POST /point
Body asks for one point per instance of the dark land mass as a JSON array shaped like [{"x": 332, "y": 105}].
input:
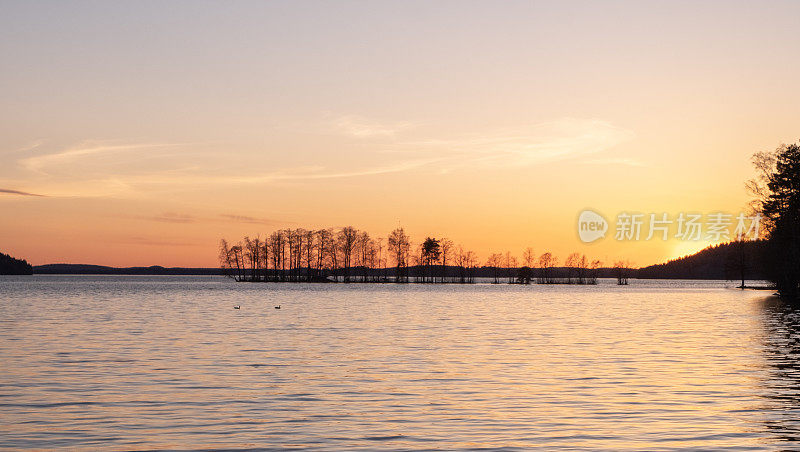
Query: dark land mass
[
  {"x": 85, "y": 269},
  {"x": 728, "y": 261},
  {"x": 12, "y": 266}
]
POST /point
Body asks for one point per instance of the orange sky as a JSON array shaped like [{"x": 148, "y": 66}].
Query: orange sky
[{"x": 151, "y": 132}]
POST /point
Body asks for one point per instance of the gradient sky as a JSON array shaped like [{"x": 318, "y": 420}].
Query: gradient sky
[{"x": 153, "y": 129}]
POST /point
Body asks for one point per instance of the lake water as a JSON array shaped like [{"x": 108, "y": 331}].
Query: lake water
[{"x": 166, "y": 363}]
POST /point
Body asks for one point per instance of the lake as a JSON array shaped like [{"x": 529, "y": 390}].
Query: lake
[{"x": 116, "y": 362}]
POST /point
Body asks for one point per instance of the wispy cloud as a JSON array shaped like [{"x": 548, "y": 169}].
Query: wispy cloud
[
  {"x": 536, "y": 144},
  {"x": 40, "y": 163},
  {"x": 27, "y": 148},
  {"x": 361, "y": 127},
  {"x": 615, "y": 161},
  {"x": 92, "y": 168},
  {"x": 18, "y": 192},
  {"x": 312, "y": 173},
  {"x": 171, "y": 217},
  {"x": 249, "y": 220},
  {"x": 146, "y": 241}
]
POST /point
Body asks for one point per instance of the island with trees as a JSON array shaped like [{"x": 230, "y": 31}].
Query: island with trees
[{"x": 351, "y": 255}]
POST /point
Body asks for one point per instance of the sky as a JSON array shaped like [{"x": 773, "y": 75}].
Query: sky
[{"x": 140, "y": 133}]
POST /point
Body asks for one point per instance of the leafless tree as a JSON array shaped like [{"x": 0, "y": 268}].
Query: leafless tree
[
  {"x": 399, "y": 246},
  {"x": 346, "y": 241},
  {"x": 446, "y": 248},
  {"x": 494, "y": 262},
  {"x": 277, "y": 247},
  {"x": 529, "y": 258},
  {"x": 622, "y": 271},
  {"x": 230, "y": 259},
  {"x": 572, "y": 263},
  {"x": 510, "y": 264},
  {"x": 323, "y": 245},
  {"x": 546, "y": 263}
]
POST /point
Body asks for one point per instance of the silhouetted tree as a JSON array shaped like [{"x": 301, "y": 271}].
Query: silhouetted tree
[
  {"x": 778, "y": 199},
  {"x": 510, "y": 264},
  {"x": 472, "y": 265},
  {"x": 622, "y": 272},
  {"x": 324, "y": 245},
  {"x": 736, "y": 264},
  {"x": 572, "y": 263},
  {"x": 494, "y": 262},
  {"x": 594, "y": 269},
  {"x": 546, "y": 263},
  {"x": 524, "y": 275},
  {"x": 529, "y": 258},
  {"x": 430, "y": 253},
  {"x": 399, "y": 246},
  {"x": 446, "y": 246},
  {"x": 346, "y": 241}
]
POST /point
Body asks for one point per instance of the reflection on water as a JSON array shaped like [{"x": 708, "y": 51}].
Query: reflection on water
[
  {"x": 167, "y": 363},
  {"x": 782, "y": 381}
]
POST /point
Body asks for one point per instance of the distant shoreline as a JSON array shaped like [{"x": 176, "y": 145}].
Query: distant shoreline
[{"x": 155, "y": 270}]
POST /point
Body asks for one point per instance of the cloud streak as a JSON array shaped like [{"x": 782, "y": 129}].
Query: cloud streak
[
  {"x": 20, "y": 193},
  {"x": 39, "y": 163},
  {"x": 361, "y": 127},
  {"x": 616, "y": 161},
  {"x": 539, "y": 143},
  {"x": 105, "y": 169},
  {"x": 249, "y": 220}
]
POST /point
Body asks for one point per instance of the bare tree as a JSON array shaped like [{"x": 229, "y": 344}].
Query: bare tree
[
  {"x": 461, "y": 264},
  {"x": 622, "y": 271},
  {"x": 364, "y": 248},
  {"x": 399, "y": 245},
  {"x": 572, "y": 263},
  {"x": 308, "y": 252},
  {"x": 594, "y": 269},
  {"x": 346, "y": 242},
  {"x": 494, "y": 262},
  {"x": 228, "y": 260},
  {"x": 510, "y": 263},
  {"x": 472, "y": 265},
  {"x": 324, "y": 244},
  {"x": 277, "y": 247},
  {"x": 529, "y": 257},
  {"x": 546, "y": 263},
  {"x": 382, "y": 264},
  {"x": 446, "y": 247}
]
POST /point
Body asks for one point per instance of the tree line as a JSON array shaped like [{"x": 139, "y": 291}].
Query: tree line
[{"x": 351, "y": 255}]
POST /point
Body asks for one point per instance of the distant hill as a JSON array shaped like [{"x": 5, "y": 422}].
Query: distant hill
[
  {"x": 85, "y": 269},
  {"x": 715, "y": 262},
  {"x": 12, "y": 266}
]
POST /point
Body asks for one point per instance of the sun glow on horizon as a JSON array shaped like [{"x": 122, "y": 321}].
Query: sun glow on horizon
[{"x": 689, "y": 247}]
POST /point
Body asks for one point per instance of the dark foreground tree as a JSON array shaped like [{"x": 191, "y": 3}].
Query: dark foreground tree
[{"x": 778, "y": 200}]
